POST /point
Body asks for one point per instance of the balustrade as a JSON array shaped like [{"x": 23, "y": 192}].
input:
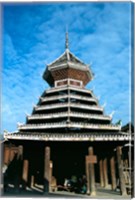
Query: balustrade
[
  {"x": 70, "y": 125},
  {"x": 72, "y": 114},
  {"x": 68, "y": 87},
  {"x": 75, "y": 96},
  {"x": 63, "y": 136},
  {"x": 77, "y": 105}
]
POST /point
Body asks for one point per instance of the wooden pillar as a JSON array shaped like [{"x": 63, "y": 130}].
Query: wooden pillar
[
  {"x": 113, "y": 172},
  {"x": 120, "y": 171},
  {"x": 101, "y": 173},
  {"x": 88, "y": 178},
  {"x": 32, "y": 181},
  {"x": 51, "y": 173},
  {"x": 6, "y": 155},
  {"x": 20, "y": 152},
  {"x": 92, "y": 175},
  {"x": 12, "y": 154},
  {"x": 105, "y": 172},
  {"x": 25, "y": 173},
  {"x": 18, "y": 177},
  {"x": 47, "y": 170}
]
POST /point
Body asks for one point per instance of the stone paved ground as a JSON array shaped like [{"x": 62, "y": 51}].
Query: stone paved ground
[{"x": 37, "y": 192}]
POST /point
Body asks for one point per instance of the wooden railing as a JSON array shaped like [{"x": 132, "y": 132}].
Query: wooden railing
[
  {"x": 69, "y": 125},
  {"x": 50, "y": 90},
  {"x": 75, "y": 96},
  {"x": 70, "y": 114},
  {"x": 77, "y": 105}
]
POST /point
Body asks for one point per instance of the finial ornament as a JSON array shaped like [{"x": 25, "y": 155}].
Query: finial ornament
[
  {"x": 66, "y": 43},
  {"x": 111, "y": 115},
  {"x": 98, "y": 98},
  {"x": 104, "y": 105}
]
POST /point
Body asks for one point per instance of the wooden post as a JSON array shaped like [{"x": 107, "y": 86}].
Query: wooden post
[
  {"x": 88, "y": 178},
  {"x": 51, "y": 173},
  {"x": 101, "y": 173},
  {"x": 105, "y": 173},
  {"x": 18, "y": 175},
  {"x": 32, "y": 181},
  {"x": 113, "y": 173},
  {"x": 25, "y": 173},
  {"x": 47, "y": 170},
  {"x": 12, "y": 153},
  {"x": 18, "y": 168},
  {"x": 6, "y": 155},
  {"x": 20, "y": 152},
  {"x": 120, "y": 170},
  {"x": 92, "y": 175}
]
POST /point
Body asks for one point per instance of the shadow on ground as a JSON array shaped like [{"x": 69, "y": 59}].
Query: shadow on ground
[{"x": 101, "y": 194}]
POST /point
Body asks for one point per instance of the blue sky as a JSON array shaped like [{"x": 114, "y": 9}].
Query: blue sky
[{"x": 34, "y": 35}]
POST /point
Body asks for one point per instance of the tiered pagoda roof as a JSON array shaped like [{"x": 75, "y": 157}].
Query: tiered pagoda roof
[
  {"x": 67, "y": 66},
  {"x": 68, "y": 111}
]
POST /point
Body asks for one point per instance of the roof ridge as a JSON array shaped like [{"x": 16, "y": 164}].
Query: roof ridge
[
  {"x": 77, "y": 58},
  {"x": 68, "y": 54},
  {"x": 57, "y": 59}
]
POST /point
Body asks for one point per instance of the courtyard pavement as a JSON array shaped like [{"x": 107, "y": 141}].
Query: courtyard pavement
[{"x": 37, "y": 192}]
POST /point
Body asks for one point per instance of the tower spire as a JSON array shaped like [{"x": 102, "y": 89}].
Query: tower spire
[{"x": 66, "y": 42}]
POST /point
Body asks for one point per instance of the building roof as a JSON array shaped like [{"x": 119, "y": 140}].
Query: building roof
[
  {"x": 67, "y": 66},
  {"x": 129, "y": 128},
  {"x": 66, "y": 57},
  {"x": 64, "y": 66},
  {"x": 95, "y": 136},
  {"x": 68, "y": 111}
]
